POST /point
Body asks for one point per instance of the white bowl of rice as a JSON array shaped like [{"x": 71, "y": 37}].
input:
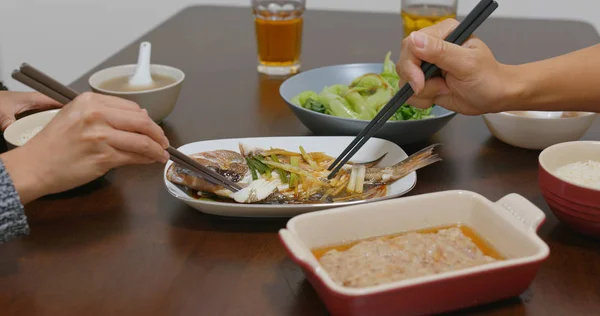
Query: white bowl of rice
[{"x": 24, "y": 129}]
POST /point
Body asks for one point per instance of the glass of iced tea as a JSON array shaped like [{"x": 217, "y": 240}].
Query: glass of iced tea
[
  {"x": 278, "y": 25},
  {"x": 418, "y": 14}
]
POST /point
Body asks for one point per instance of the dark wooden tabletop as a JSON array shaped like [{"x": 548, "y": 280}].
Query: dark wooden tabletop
[{"x": 124, "y": 246}]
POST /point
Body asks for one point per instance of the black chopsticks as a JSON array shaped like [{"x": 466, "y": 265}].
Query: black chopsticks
[
  {"x": 39, "y": 81},
  {"x": 460, "y": 34}
]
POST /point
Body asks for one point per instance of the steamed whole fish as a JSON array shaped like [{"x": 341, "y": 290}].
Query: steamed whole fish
[{"x": 277, "y": 176}]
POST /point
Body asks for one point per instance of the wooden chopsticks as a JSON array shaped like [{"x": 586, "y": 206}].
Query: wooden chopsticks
[
  {"x": 39, "y": 81},
  {"x": 460, "y": 34}
]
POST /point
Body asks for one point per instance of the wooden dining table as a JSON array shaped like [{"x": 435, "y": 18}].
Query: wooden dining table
[{"x": 124, "y": 246}]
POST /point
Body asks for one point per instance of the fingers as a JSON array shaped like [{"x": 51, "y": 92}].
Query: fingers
[
  {"x": 136, "y": 122},
  {"x": 5, "y": 121},
  {"x": 441, "y": 29},
  {"x": 428, "y": 45},
  {"x": 38, "y": 101},
  {"x": 450, "y": 57},
  {"x": 137, "y": 144},
  {"x": 409, "y": 65},
  {"x": 434, "y": 88},
  {"x": 108, "y": 101},
  {"x": 120, "y": 103},
  {"x": 122, "y": 158},
  {"x": 121, "y": 124},
  {"x": 409, "y": 70}
]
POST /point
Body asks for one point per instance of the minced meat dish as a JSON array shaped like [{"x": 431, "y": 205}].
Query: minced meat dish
[{"x": 383, "y": 260}]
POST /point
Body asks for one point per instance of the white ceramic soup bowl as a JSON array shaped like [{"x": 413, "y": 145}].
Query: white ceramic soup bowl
[
  {"x": 158, "y": 102},
  {"x": 537, "y": 133},
  {"x": 17, "y": 133}
]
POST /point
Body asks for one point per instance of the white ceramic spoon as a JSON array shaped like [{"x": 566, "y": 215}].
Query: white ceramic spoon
[
  {"x": 142, "y": 76},
  {"x": 545, "y": 114}
]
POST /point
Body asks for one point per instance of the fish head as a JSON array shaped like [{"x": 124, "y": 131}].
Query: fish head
[{"x": 227, "y": 163}]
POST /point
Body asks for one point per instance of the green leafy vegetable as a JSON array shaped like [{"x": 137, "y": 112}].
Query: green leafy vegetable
[
  {"x": 337, "y": 104},
  {"x": 303, "y": 97},
  {"x": 363, "y": 98},
  {"x": 315, "y": 105},
  {"x": 409, "y": 113},
  {"x": 389, "y": 72},
  {"x": 360, "y": 105}
]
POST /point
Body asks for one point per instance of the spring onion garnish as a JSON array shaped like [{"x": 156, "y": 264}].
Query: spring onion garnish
[
  {"x": 252, "y": 169},
  {"x": 281, "y": 172},
  {"x": 294, "y": 161},
  {"x": 308, "y": 159}
]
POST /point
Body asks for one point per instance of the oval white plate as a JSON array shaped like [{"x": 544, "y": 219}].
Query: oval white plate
[{"x": 332, "y": 146}]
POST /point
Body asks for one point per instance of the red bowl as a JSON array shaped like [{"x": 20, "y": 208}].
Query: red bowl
[
  {"x": 577, "y": 206},
  {"x": 575, "y": 209}
]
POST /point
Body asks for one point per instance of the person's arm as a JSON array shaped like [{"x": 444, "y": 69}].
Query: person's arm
[
  {"x": 13, "y": 222},
  {"x": 90, "y": 136},
  {"x": 565, "y": 83},
  {"x": 475, "y": 83}
]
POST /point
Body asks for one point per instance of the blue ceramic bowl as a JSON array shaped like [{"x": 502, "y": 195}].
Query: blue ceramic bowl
[{"x": 400, "y": 132}]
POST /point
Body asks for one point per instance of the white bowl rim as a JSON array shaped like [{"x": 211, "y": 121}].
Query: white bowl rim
[
  {"x": 583, "y": 114},
  {"x": 179, "y": 72},
  {"x": 546, "y": 151},
  {"x": 449, "y": 114},
  {"x": 25, "y": 119}
]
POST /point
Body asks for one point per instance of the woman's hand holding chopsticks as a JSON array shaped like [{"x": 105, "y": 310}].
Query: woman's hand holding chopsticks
[{"x": 91, "y": 135}]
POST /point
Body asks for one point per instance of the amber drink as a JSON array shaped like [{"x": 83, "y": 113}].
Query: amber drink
[
  {"x": 418, "y": 14},
  {"x": 278, "y": 27}
]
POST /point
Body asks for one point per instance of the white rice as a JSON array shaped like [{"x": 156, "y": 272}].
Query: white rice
[
  {"x": 25, "y": 137},
  {"x": 584, "y": 173}
]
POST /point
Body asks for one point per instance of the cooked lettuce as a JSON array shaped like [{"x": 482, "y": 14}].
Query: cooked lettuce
[{"x": 363, "y": 98}]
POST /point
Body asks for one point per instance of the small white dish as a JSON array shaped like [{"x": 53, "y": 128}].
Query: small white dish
[
  {"x": 332, "y": 146},
  {"x": 14, "y": 132},
  {"x": 521, "y": 130}
]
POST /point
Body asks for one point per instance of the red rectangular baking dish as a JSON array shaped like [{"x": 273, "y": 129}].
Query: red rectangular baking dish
[{"x": 509, "y": 225}]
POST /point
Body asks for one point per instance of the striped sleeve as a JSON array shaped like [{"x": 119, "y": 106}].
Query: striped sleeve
[{"x": 13, "y": 221}]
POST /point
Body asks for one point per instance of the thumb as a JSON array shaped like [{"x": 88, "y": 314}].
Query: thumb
[
  {"x": 447, "y": 56},
  {"x": 6, "y": 121}
]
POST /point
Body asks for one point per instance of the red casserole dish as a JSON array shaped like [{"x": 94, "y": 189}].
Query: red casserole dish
[{"x": 509, "y": 225}]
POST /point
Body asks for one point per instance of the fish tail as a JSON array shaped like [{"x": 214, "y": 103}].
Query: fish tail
[{"x": 418, "y": 160}]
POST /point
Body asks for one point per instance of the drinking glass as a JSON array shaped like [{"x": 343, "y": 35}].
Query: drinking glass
[
  {"x": 278, "y": 25},
  {"x": 418, "y": 14}
]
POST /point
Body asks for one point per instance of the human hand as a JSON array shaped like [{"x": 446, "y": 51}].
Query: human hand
[
  {"x": 88, "y": 137},
  {"x": 14, "y": 103},
  {"x": 474, "y": 81}
]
